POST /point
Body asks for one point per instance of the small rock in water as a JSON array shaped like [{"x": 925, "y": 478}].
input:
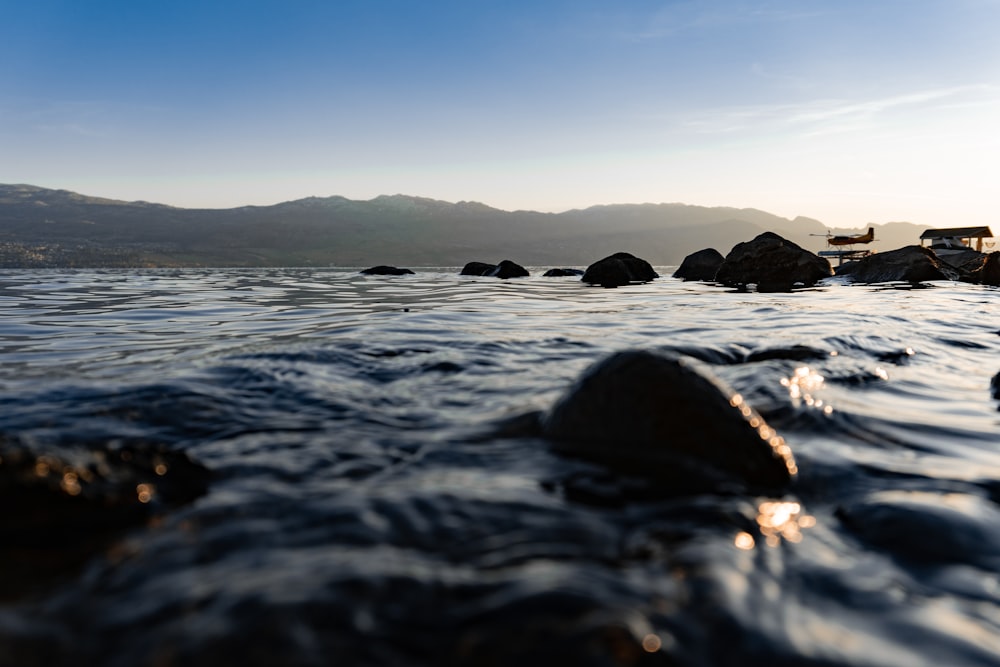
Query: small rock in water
[
  {"x": 508, "y": 269},
  {"x": 665, "y": 416},
  {"x": 702, "y": 265},
  {"x": 382, "y": 270},
  {"x": 505, "y": 269},
  {"x": 560, "y": 273},
  {"x": 477, "y": 269},
  {"x": 995, "y": 386},
  {"x": 619, "y": 269}
]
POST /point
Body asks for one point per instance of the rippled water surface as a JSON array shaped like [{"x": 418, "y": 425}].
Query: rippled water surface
[{"x": 369, "y": 503}]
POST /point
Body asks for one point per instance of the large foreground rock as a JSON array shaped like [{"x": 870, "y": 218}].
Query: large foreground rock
[
  {"x": 702, "y": 265},
  {"x": 66, "y": 504},
  {"x": 911, "y": 264},
  {"x": 619, "y": 269},
  {"x": 656, "y": 414},
  {"x": 773, "y": 264}
]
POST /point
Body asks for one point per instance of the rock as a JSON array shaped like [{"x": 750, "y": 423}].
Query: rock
[
  {"x": 477, "y": 269},
  {"x": 995, "y": 387},
  {"x": 702, "y": 265},
  {"x": 619, "y": 269},
  {"x": 505, "y": 269},
  {"x": 773, "y": 264},
  {"x": 70, "y": 503},
  {"x": 911, "y": 264},
  {"x": 382, "y": 270},
  {"x": 559, "y": 273},
  {"x": 989, "y": 272},
  {"x": 655, "y": 414},
  {"x": 508, "y": 269}
]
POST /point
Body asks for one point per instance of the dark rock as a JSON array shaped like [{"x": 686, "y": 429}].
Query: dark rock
[
  {"x": 382, "y": 270},
  {"x": 793, "y": 353},
  {"x": 989, "y": 272},
  {"x": 702, "y": 265},
  {"x": 995, "y": 386},
  {"x": 658, "y": 415},
  {"x": 60, "y": 507},
  {"x": 559, "y": 273},
  {"x": 619, "y": 269},
  {"x": 966, "y": 260},
  {"x": 912, "y": 264},
  {"x": 477, "y": 269},
  {"x": 773, "y": 264},
  {"x": 508, "y": 269}
]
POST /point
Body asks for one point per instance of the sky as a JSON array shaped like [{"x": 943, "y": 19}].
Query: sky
[{"x": 846, "y": 111}]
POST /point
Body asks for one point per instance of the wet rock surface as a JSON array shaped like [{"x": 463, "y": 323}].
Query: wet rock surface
[
  {"x": 619, "y": 269},
  {"x": 773, "y": 264},
  {"x": 668, "y": 417},
  {"x": 561, "y": 273},
  {"x": 702, "y": 265},
  {"x": 911, "y": 264}
]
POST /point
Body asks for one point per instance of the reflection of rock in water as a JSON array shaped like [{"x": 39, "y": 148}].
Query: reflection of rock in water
[
  {"x": 667, "y": 417},
  {"x": 58, "y": 508}
]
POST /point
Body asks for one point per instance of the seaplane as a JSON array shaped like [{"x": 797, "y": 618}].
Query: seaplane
[{"x": 842, "y": 246}]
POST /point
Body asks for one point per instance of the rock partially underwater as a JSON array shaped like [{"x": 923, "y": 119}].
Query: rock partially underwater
[
  {"x": 383, "y": 270},
  {"x": 59, "y": 507},
  {"x": 911, "y": 264},
  {"x": 773, "y": 264},
  {"x": 667, "y": 417},
  {"x": 619, "y": 269},
  {"x": 505, "y": 269},
  {"x": 701, "y": 265}
]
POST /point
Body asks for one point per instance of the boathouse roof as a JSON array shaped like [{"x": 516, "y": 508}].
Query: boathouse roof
[{"x": 958, "y": 232}]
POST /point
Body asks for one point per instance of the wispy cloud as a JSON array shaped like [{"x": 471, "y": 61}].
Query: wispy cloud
[{"x": 824, "y": 116}]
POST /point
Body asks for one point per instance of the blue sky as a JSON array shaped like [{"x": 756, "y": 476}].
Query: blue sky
[{"x": 846, "y": 111}]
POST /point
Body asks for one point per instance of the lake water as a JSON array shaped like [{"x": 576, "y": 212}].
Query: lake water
[{"x": 366, "y": 507}]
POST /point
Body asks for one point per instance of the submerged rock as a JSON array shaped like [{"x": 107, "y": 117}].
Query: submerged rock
[
  {"x": 702, "y": 265},
  {"x": 664, "y": 416},
  {"x": 773, "y": 264},
  {"x": 912, "y": 264},
  {"x": 926, "y": 527},
  {"x": 559, "y": 273},
  {"x": 382, "y": 270},
  {"x": 619, "y": 269}
]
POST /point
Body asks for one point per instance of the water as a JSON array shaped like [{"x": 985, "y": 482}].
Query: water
[{"x": 367, "y": 505}]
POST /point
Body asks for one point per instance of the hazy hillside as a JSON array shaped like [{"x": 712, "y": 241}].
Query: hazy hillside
[{"x": 41, "y": 227}]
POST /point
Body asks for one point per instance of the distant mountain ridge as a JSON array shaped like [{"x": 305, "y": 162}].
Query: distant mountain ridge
[{"x": 44, "y": 227}]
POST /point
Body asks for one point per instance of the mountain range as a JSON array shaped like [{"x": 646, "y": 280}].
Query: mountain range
[{"x": 57, "y": 228}]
